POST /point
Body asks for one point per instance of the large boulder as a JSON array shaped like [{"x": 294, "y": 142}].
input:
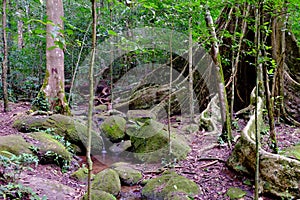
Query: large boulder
[
  {"x": 99, "y": 195},
  {"x": 127, "y": 173},
  {"x": 74, "y": 131},
  {"x": 150, "y": 141},
  {"x": 114, "y": 128},
  {"x": 107, "y": 180},
  {"x": 279, "y": 175},
  {"x": 49, "y": 149},
  {"x": 15, "y": 144},
  {"x": 165, "y": 186}
]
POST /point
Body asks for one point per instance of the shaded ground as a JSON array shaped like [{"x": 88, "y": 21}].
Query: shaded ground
[{"x": 205, "y": 165}]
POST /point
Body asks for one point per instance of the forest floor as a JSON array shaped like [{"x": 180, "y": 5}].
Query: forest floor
[{"x": 205, "y": 165}]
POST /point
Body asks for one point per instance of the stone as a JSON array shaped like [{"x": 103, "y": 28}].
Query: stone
[
  {"x": 99, "y": 195},
  {"x": 150, "y": 142},
  {"x": 120, "y": 147},
  {"x": 15, "y": 144},
  {"x": 127, "y": 173},
  {"x": 74, "y": 130},
  {"x": 161, "y": 187},
  {"x": 81, "y": 174},
  {"x": 235, "y": 193},
  {"x": 114, "y": 128},
  {"x": 141, "y": 115},
  {"x": 107, "y": 180},
  {"x": 45, "y": 144}
]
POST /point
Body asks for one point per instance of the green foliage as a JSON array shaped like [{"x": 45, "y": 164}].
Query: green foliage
[{"x": 11, "y": 167}]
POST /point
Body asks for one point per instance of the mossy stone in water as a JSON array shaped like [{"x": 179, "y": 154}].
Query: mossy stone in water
[
  {"x": 99, "y": 195},
  {"x": 127, "y": 174},
  {"x": 107, "y": 180},
  {"x": 159, "y": 188},
  {"x": 114, "y": 128}
]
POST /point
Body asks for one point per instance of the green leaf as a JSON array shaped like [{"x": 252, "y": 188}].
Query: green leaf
[{"x": 111, "y": 32}]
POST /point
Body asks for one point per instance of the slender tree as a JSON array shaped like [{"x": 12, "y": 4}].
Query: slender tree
[
  {"x": 225, "y": 115},
  {"x": 5, "y": 59},
  {"x": 91, "y": 99}
]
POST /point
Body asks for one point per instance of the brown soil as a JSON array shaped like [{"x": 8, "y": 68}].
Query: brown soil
[{"x": 205, "y": 164}]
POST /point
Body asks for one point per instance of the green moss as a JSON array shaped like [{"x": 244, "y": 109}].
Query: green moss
[
  {"x": 114, "y": 128},
  {"x": 46, "y": 143},
  {"x": 81, "y": 174},
  {"x": 108, "y": 181},
  {"x": 99, "y": 195},
  {"x": 127, "y": 174},
  {"x": 14, "y": 144},
  {"x": 235, "y": 193},
  {"x": 159, "y": 188}
]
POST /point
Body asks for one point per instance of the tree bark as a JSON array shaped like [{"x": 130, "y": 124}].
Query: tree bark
[
  {"x": 53, "y": 91},
  {"x": 5, "y": 59}
]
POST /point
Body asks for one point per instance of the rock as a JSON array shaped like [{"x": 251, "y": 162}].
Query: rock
[
  {"x": 190, "y": 128},
  {"x": 114, "y": 128},
  {"x": 235, "y": 193},
  {"x": 99, "y": 195},
  {"x": 14, "y": 144},
  {"x": 166, "y": 185},
  {"x": 46, "y": 143},
  {"x": 177, "y": 196},
  {"x": 120, "y": 147},
  {"x": 150, "y": 141},
  {"x": 50, "y": 188},
  {"x": 127, "y": 174},
  {"x": 141, "y": 115},
  {"x": 74, "y": 131},
  {"x": 107, "y": 180},
  {"x": 81, "y": 174}
]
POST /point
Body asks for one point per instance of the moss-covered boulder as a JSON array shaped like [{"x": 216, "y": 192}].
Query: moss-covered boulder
[
  {"x": 150, "y": 141},
  {"x": 14, "y": 144},
  {"x": 107, "y": 180},
  {"x": 177, "y": 196},
  {"x": 114, "y": 128},
  {"x": 99, "y": 195},
  {"x": 235, "y": 193},
  {"x": 127, "y": 173},
  {"x": 74, "y": 131},
  {"x": 81, "y": 174},
  {"x": 49, "y": 149},
  {"x": 166, "y": 185}
]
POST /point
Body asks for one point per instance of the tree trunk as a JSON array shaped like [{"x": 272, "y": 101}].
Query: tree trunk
[
  {"x": 53, "y": 87},
  {"x": 5, "y": 60}
]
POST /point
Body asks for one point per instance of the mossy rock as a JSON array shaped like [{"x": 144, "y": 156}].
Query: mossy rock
[
  {"x": 15, "y": 144},
  {"x": 150, "y": 142},
  {"x": 120, "y": 146},
  {"x": 127, "y": 174},
  {"x": 99, "y": 195},
  {"x": 177, "y": 196},
  {"x": 81, "y": 174},
  {"x": 114, "y": 128},
  {"x": 74, "y": 131},
  {"x": 161, "y": 187},
  {"x": 45, "y": 144},
  {"x": 235, "y": 193},
  {"x": 107, "y": 180},
  {"x": 293, "y": 152}
]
